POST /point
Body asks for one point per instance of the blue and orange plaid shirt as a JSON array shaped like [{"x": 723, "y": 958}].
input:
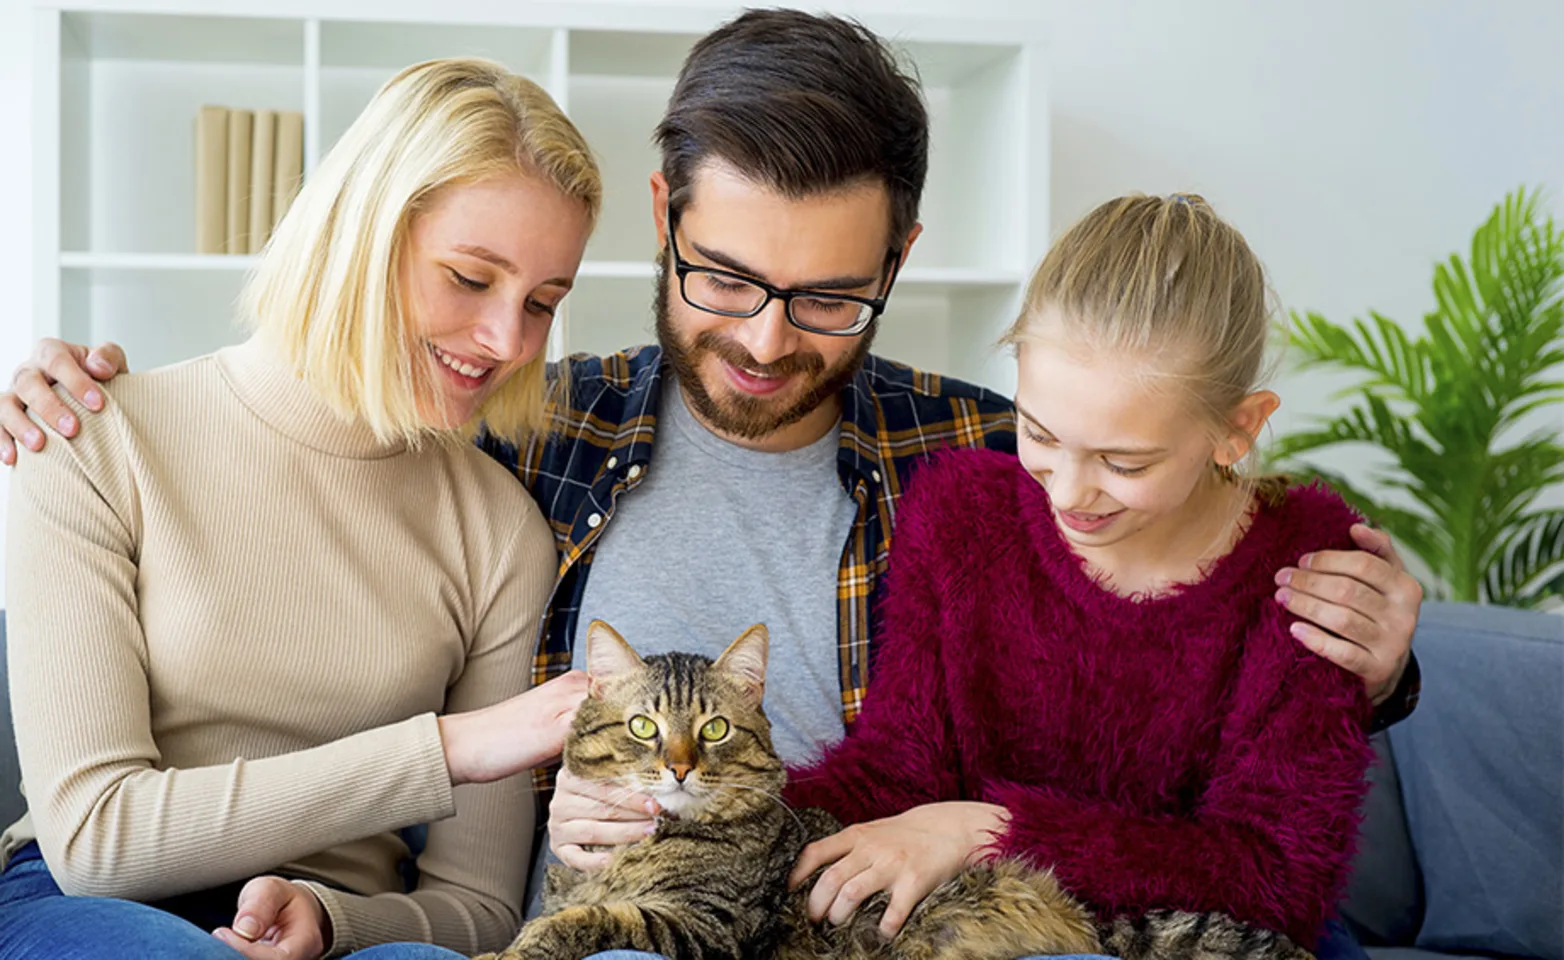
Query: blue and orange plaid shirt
[{"x": 893, "y": 418}]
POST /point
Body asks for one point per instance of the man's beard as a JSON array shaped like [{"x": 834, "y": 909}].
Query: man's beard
[{"x": 738, "y": 414}]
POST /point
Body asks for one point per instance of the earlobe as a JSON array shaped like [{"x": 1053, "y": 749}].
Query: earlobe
[
  {"x": 660, "y": 207},
  {"x": 912, "y": 235},
  {"x": 1247, "y": 421}
]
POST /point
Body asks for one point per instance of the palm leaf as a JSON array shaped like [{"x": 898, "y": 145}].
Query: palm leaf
[
  {"x": 1532, "y": 552},
  {"x": 1443, "y": 405}
]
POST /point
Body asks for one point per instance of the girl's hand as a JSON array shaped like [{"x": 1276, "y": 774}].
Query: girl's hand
[
  {"x": 909, "y": 855},
  {"x": 278, "y": 920},
  {"x": 526, "y": 731}
]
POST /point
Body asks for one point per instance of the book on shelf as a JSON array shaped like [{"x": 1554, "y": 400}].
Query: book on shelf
[
  {"x": 263, "y": 154},
  {"x": 248, "y": 168},
  {"x": 241, "y": 127},
  {"x": 288, "y": 171},
  {"x": 211, "y": 177}
]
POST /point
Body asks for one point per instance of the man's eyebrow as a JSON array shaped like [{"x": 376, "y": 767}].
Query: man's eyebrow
[
  {"x": 1118, "y": 451},
  {"x": 738, "y": 266}
]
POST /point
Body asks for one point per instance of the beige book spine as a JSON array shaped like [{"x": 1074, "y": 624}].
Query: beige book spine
[
  {"x": 288, "y": 171},
  {"x": 241, "y": 126},
  {"x": 211, "y": 179},
  {"x": 263, "y": 157}
]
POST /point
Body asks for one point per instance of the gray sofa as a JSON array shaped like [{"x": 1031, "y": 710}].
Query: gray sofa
[
  {"x": 1462, "y": 838},
  {"x": 1463, "y": 833}
]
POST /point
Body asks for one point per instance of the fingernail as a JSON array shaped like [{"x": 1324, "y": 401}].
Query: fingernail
[
  {"x": 1305, "y": 560},
  {"x": 32, "y": 438},
  {"x": 94, "y": 399},
  {"x": 1283, "y": 595},
  {"x": 67, "y": 423},
  {"x": 99, "y": 364},
  {"x": 248, "y": 927},
  {"x": 651, "y": 828},
  {"x": 1298, "y": 631},
  {"x": 1284, "y": 577}
]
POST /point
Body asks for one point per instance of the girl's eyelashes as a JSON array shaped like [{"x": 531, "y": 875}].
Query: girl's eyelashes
[
  {"x": 541, "y": 307},
  {"x": 1049, "y": 441},
  {"x": 466, "y": 281}
]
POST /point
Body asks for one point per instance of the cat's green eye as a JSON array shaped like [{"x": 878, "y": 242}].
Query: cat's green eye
[
  {"x": 643, "y": 727},
  {"x": 715, "y": 729}
]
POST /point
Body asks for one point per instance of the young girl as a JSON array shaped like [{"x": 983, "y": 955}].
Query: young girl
[
  {"x": 1084, "y": 662},
  {"x": 269, "y": 608}
]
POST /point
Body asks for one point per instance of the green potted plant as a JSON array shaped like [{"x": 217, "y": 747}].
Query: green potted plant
[{"x": 1457, "y": 411}]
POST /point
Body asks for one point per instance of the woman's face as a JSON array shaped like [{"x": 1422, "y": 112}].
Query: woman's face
[{"x": 485, "y": 269}]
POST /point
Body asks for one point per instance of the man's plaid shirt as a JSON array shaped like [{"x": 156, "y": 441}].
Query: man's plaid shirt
[{"x": 893, "y": 418}]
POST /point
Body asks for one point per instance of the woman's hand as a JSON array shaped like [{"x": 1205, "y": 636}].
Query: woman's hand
[
  {"x": 526, "y": 731},
  {"x": 909, "y": 855},
  {"x": 278, "y": 920}
]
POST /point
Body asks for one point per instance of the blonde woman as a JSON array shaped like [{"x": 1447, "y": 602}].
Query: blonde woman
[{"x": 271, "y": 608}]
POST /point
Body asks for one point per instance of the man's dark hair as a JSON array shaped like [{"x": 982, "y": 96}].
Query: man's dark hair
[{"x": 803, "y": 104}]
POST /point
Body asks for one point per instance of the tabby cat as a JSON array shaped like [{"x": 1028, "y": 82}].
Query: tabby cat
[{"x": 712, "y": 881}]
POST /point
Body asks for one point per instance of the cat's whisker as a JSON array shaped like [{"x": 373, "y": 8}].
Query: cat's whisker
[{"x": 774, "y": 798}]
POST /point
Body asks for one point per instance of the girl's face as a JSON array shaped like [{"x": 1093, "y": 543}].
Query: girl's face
[
  {"x": 485, "y": 269},
  {"x": 1126, "y": 467}
]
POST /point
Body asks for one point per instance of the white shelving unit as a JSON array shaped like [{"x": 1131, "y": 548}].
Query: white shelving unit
[{"x": 118, "y": 83}]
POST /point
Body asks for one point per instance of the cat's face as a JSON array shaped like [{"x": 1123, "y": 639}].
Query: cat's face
[{"x": 679, "y": 727}]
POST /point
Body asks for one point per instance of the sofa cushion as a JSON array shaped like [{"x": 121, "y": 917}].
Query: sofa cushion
[
  {"x": 12, "y": 804},
  {"x": 1384, "y": 905},
  {"x": 1481, "y": 764}
]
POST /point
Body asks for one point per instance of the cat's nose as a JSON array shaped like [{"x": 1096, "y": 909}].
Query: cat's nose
[{"x": 680, "y": 770}]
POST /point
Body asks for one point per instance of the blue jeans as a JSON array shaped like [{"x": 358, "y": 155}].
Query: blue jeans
[
  {"x": 39, "y": 922},
  {"x": 638, "y": 955},
  {"x": 1338, "y": 944}
]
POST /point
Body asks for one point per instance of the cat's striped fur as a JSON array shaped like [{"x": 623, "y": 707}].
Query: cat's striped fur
[{"x": 711, "y": 883}]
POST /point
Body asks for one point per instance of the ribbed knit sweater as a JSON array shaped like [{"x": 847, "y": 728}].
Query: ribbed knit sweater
[
  {"x": 1181, "y": 751},
  {"x": 233, "y": 618}
]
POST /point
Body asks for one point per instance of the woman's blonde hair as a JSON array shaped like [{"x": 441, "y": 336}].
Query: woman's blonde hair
[
  {"x": 327, "y": 290},
  {"x": 1163, "y": 278}
]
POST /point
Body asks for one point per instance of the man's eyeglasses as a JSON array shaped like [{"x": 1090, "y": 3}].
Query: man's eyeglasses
[{"x": 730, "y": 294}]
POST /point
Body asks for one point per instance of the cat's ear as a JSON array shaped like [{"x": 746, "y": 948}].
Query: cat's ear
[
  {"x": 608, "y": 655},
  {"x": 745, "y": 661}
]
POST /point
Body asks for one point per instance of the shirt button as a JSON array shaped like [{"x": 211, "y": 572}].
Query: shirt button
[
  {"x": 595, "y": 520},
  {"x": 613, "y": 462},
  {"x": 875, "y": 474},
  {"x": 635, "y": 470}
]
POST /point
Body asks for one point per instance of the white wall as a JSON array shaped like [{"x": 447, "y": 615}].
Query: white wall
[
  {"x": 1353, "y": 143},
  {"x": 16, "y": 309}
]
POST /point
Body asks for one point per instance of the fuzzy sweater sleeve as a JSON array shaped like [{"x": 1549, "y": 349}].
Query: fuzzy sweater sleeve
[
  {"x": 1271, "y": 839},
  {"x": 901, "y": 753}
]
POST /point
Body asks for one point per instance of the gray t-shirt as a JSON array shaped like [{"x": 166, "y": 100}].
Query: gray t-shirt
[{"x": 718, "y": 537}]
